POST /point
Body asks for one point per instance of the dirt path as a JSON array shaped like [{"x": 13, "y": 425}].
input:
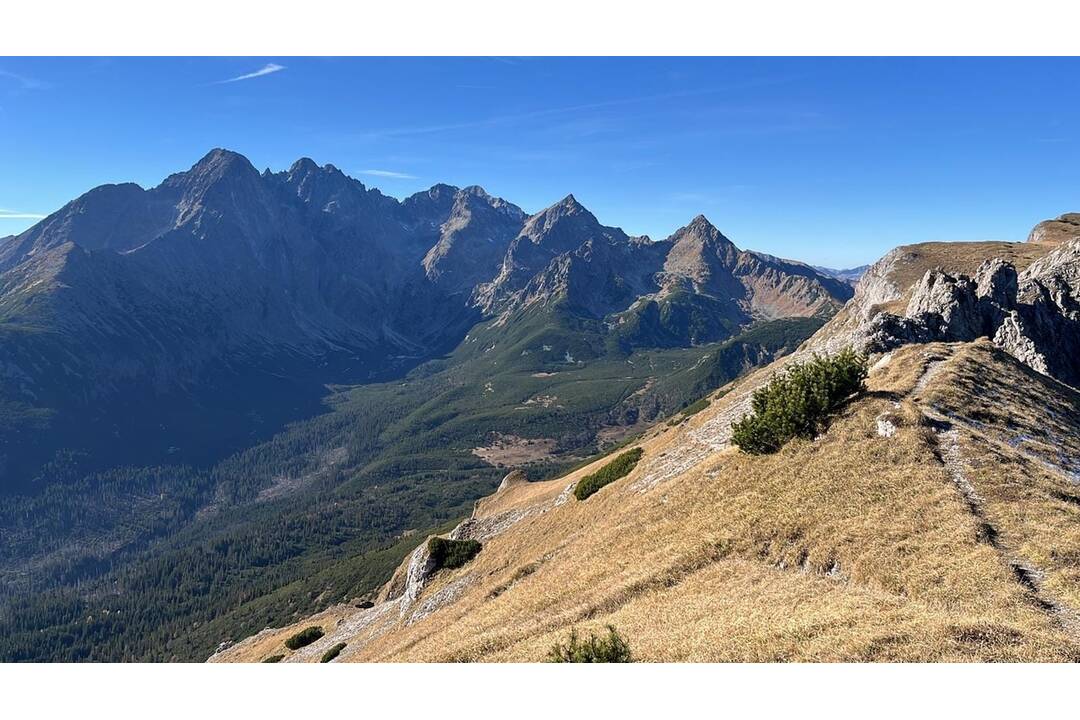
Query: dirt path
[{"x": 951, "y": 455}]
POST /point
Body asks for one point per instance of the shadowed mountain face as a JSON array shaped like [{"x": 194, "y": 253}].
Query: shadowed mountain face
[{"x": 197, "y": 316}]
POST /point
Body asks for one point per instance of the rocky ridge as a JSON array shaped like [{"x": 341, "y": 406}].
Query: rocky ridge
[{"x": 1033, "y": 314}]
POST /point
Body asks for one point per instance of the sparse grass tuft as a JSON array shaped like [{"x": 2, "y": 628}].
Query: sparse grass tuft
[
  {"x": 449, "y": 554},
  {"x": 304, "y": 637},
  {"x": 332, "y": 653},
  {"x": 617, "y": 468},
  {"x": 799, "y": 401},
  {"x": 610, "y": 649}
]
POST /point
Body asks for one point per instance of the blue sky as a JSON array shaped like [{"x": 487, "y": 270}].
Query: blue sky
[{"x": 833, "y": 161}]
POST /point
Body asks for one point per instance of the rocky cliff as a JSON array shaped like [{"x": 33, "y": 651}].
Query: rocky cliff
[{"x": 1024, "y": 298}]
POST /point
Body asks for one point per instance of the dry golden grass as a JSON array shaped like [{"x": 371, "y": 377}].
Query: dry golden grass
[
  {"x": 961, "y": 257},
  {"x": 1020, "y": 444},
  {"x": 851, "y": 547}
]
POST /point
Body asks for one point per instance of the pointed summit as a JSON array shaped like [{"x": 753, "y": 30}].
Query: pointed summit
[
  {"x": 220, "y": 160},
  {"x": 700, "y": 221},
  {"x": 570, "y": 204},
  {"x": 699, "y": 238},
  {"x": 562, "y": 226},
  {"x": 303, "y": 165},
  {"x": 701, "y": 253},
  {"x": 440, "y": 190},
  {"x": 216, "y": 166}
]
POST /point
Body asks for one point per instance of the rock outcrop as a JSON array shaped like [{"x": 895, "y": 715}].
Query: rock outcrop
[{"x": 1034, "y": 314}]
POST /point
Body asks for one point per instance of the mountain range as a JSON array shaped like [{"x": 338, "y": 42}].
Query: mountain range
[
  {"x": 231, "y": 399},
  {"x": 180, "y": 322},
  {"x": 240, "y": 405}
]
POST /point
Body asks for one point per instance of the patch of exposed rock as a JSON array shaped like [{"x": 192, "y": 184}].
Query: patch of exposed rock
[
  {"x": 1034, "y": 315},
  {"x": 406, "y": 587}
]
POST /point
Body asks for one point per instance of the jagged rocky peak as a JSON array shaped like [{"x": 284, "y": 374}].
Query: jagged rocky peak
[
  {"x": 497, "y": 203},
  {"x": 698, "y": 249},
  {"x": 305, "y": 169},
  {"x": 1059, "y": 230},
  {"x": 325, "y": 188},
  {"x": 475, "y": 197},
  {"x": 216, "y": 165},
  {"x": 473, "y": 237},
  {"x": 303, "y": 166},
  {"x": 561, "y": 228},
  {"x": 440, "y": 193},
  {"x": 569, "y": 205},
  {"x": 701, "y": 258},
  {"x": 564, "y": 225},
  {"x": 222, "y": 178},
  {"x": 430, "y": 207}
]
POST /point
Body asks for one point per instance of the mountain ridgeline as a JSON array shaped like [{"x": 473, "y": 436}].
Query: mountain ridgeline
[
  {"x": 235, "y": 398},
  {"x": 177, "y": 323}
]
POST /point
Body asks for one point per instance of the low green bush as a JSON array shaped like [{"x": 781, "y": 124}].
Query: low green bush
[
  {"x": 799, "y": 401},
  {"x": 452, "y": 553},
  {"x": 332, "y": 653},
  {"x": 617, "y": 468},
  {"x": 304, "y": 637},
  {"x": 274, "y": 659},
  {"x": 610, "y": 649}
]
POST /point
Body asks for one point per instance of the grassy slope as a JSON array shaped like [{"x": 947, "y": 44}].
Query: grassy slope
[
  {"x": 853, "y": 547},
  {"x": 166, "y": 570}
]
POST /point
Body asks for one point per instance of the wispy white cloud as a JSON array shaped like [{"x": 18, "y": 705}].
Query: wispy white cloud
[
  {"x": 388, "y": 174},
  {"x": 16, "y": 215},
  {"x": 267, "y": 69},
  {"x": 24, "y": 82},
  {"x": 514, "y": 118}
]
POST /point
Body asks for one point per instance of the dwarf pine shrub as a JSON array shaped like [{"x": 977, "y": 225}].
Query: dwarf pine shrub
[
  {"x": 617, "y": 468},
  {"x": 610, "y": 649},
  {"x": 799, "y": 401},
  {"x": 332, "y": 653},
  {"x": 274, "y": 659},
  {"x": 452, "y": 553},
  {"x": 304, "y": 637}
]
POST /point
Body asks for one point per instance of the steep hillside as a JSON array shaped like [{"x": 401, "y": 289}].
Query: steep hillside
[
  {"x": 325, "y": 509},
  {"x": 937, "y": 519}
]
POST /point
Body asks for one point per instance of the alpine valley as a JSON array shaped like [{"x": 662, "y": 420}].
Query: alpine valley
[{"x": 239, "y": 398}]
